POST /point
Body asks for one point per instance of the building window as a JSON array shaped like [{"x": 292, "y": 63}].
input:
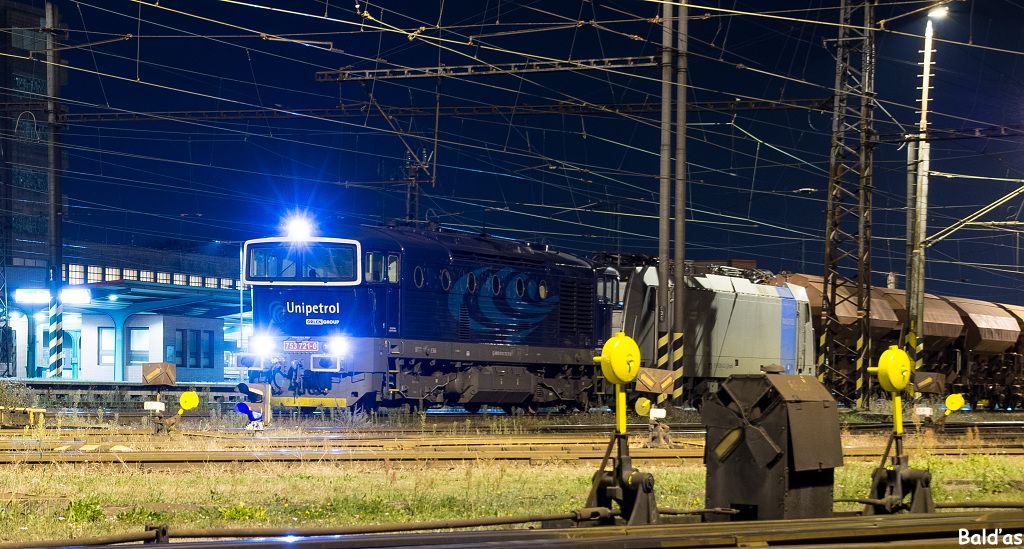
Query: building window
[
  {"x": 206, "y": 350},
  {"x": 28, "y": 179},
  {"x": 179, "y": 347},
  {"x": 138, "y": 345},
  {"x": 226, "y": 283},
  {"x": 196, "y": 281},
  {"x": 29, "y": 224},
  {"x": 112, "y": 273},
  {"x": 146, "y": 276},
  {"x": 105, "y": 346},
  {"x": 192, "y": 348},
  {"x": 163, "y": 278},
  {"x": 28, "y": 40},
  {"x": 28, "y": 84},
  {"x": 211, "y": 282},
  {"x": 95, "y": 274},
  {"x": 130, "y": 274},
  {"x": 76, "y": 274},
  {"x": 180, "y": 279}
]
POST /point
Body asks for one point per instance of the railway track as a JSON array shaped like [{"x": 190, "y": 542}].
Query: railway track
[
  {"x": 428, "y": 449},
  {"x": 934, "y": 530}
]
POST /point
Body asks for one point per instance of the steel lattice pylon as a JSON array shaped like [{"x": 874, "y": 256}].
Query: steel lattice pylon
[{"x": 845, "y": 348}]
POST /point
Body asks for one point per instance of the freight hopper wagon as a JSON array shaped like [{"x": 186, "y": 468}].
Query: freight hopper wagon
[
  {"x": 970, "y": 346},
  {"x": 386, "y": 316}
]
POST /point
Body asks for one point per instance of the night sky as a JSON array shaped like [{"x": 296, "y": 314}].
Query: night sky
[{"x": 582, "y": 183}]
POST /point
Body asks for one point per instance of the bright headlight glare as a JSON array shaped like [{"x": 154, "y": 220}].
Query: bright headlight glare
[
  {"x": 262, "y": 345},
  {"x": 337, "y": 345}
]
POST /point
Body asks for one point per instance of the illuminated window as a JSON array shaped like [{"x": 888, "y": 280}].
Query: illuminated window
[
  {"x": 211, "y": 282},
  {"x": 95, "y": 274},
  {"x": 163, "y": 278},
  {"x": 76, "y": 274},
  {"x": 130, "y": 274},
  {"x": 112, "y": 273},
  {"x": 180, "y": 279},
  {"x": 196, "y": 281},
  {"x": 146, "y": 276},
  {"x": 226, "y": 283}
]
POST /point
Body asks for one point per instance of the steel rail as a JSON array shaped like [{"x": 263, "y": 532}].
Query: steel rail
[{"x": 920, "y": 530}]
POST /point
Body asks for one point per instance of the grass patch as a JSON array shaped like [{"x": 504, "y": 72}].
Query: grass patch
[{"x": 46, "y": 502}]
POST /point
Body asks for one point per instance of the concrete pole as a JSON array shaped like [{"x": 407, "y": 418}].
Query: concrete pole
[
  {"x": 664, "y": 179},
  {"x": 679, "y": 251},
  {"x": 55, "y": 364},
  {"x": 915, "y": 293}
]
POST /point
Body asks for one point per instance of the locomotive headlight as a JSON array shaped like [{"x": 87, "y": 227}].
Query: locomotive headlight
[
  {"x": 261, "y": 345},
  {"x": 338, "y": 345}
]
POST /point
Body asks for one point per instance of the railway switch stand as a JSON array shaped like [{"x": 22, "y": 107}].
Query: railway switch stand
[
  {"x": 892, "y": 483},
  {"x": 624, "y": 485}
]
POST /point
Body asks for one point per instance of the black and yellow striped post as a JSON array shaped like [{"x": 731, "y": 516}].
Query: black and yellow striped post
[
  {"x": 863, "y": 363},
  {"x": 55, "y": 339},
  {"x": 671, "y": 347}
]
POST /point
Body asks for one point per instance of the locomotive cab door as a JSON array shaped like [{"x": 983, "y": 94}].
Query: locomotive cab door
[{"x": 393, "y": 305}]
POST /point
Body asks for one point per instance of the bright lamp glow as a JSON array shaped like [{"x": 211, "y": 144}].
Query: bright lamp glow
[
  {"x": 939, "y": 12},
  {"x": 261, "y": 345},
  {"x": 75, "y": 296},
  {"x": 31, "y": 296},
  {"x": 337, "y": 345},
  {"x": 298, "y": 227}
]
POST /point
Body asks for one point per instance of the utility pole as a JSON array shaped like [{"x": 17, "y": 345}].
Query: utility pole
[
  {"x": 679, "y": 252},
  {"x": 55, "y": 343},
  {"x": 845, "y": 349},
  {"x": 917, "y": 206},
  {"x": 665, "y": 189}
]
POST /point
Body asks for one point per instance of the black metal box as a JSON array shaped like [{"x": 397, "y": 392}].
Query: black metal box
[{"x": 772, "y": 445}]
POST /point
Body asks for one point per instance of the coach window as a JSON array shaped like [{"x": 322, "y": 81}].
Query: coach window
[
  {"x": 495, "y": 285},
  {"x": 471, "y": 283},
  {"x": 374, "y": 267},
  {"x": 520, "y": 287},
  {"x": 542, "y": 290},
  {"x": 446, "y": 280},
  {"x": 418, "y": 277},
  {"x": 392, "y": 269}
]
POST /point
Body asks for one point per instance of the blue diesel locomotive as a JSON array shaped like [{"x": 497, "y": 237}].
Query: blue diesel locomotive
[{"x": 396, "y": 315}]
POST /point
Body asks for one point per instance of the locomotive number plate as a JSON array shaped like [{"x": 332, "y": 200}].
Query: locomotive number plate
[{"x": 310, "y": 346}]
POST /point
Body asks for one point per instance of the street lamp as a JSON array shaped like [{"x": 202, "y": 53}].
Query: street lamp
[{"x": 919, "y": 165}]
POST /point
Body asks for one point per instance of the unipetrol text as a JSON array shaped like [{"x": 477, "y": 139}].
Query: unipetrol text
[{"x": 307, "y": 309}]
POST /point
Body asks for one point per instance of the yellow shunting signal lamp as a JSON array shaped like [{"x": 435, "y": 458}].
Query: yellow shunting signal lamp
[
  {"x": 643, "y": 406},
  {"x": 954, "y": 402},
  {"x": 620, "y": 363},
  {"x": 620, "y": 359},
  {"x": 188, "y": 401},
  {"x": 893, "y": 370}
]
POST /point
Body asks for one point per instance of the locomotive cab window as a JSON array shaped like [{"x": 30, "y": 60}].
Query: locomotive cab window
[
  {"x": 374, "y": 267},
  {"x": 392, "y": 272},
  {"x": 312, "y": 261}
]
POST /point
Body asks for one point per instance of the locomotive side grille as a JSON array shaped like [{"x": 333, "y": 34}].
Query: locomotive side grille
[
  {"x": 463, "y": 331},
  {"x": 476, "y": 258},
  {"x": 575, "y": 308}
]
